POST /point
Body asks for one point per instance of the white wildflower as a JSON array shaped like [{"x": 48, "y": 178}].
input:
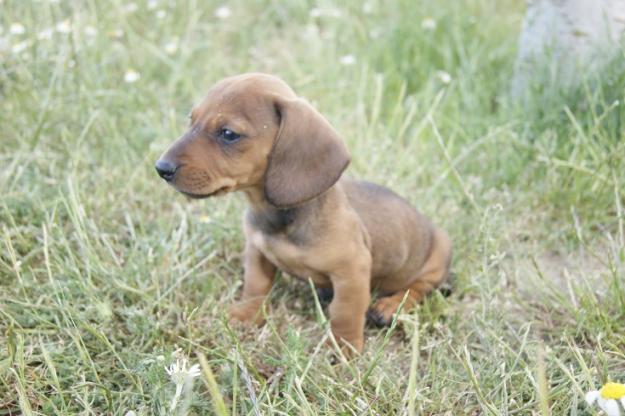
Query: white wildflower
[
  {"x": 20, "y": 47},
  {"x": 64, "y": 27},
  {"x": 160, "y": 14},
  {"x": 152, "y": 4},
  {"x": 116, "y": 33},
  {"x": 428, "y": 24},
  {"x": 181, "y": 377},
  {"x": 131, "y": 76},
  {"x": 171, "y": 47},
  {"x": 17, "y": 29},
  {"x": 333, "y": 12},
  {"x": 45, "y": 34},
  {"x": 375, "y": 33},
  {"x": 130, "y": 413},
  {"x": 90, "y": 31},
  {"x": 444, "y": 77},
  {"x": 223, "y": 12},
  {"x": 348, "y": 60},
  {"x": 328, "y": 12},
  {"x": 131, "y": 8},
  {"x": 608, "y": 398}
]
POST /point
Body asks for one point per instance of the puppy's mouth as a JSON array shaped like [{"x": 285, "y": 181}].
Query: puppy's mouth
[{"x": 217, "y": 192}]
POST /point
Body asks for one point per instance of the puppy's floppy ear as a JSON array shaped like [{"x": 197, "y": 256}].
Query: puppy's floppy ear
[{"x": 307, "y": 158}]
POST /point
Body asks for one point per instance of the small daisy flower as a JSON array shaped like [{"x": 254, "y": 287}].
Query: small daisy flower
[
  {"x": 375, "y": 33},
  {"x": 20, "y": 47},
  {"x": 347, "y": 60},
  {"x": 329, "y": 12},
  {"x": 131, "y": 8},
  {"x": 116, "y": 33},
  {"x": 607, "y": 398},
  {"x": 45, "y": 34},
  {"x": 223, "y": 12},
  {"x": 4, "y": 45},
  {"x": 444, "y": 77},
  {"x": 160, "y": 14},
  {"x": 428, "y": 24},
  {"x": 171, "y": 47},
  {"x": 152, "y": 4},
  {"x": 64, "y": 27},
  {"x": 130, "y": 413},
  {"x": 131, "y": 76},
  {"x": 90, "y": 31},
  {"x": 17, "y": 29},
  {"x": 181, "y": 376}
]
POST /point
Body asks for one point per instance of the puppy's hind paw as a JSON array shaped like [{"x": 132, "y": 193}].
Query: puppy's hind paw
[
  {"x": 382, "y": 311},
  {"x": 447, "y": 287},
  {"x": 376, "y": 319}
]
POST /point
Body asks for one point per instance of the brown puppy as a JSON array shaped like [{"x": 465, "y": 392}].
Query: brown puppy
[{"x": 252, "y": 133}]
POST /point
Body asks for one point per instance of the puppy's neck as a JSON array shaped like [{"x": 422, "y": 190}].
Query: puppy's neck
[{"x": 273, "y": 220}]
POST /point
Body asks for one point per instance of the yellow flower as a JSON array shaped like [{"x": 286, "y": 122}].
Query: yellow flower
[{"x": 607, "y": 398}]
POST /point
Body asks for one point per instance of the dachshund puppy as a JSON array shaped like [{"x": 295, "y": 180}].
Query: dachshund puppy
[{"x": 253, "y": 134}]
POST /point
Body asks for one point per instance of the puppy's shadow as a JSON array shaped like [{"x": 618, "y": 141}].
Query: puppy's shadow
[{"x": 374, "y": 320}]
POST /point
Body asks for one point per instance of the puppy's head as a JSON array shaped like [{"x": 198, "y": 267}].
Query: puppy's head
[{"x": 252, "y": 130}]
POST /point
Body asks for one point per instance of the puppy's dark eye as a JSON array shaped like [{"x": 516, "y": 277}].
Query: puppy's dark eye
[{"x": 228, "y": 135}]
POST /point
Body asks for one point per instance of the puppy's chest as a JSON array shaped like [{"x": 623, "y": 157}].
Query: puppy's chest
[{"x": 287, "y": 256}]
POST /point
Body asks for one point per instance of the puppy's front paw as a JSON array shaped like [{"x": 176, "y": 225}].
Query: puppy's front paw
[
  {"x": 245, "y": 314},
  {"x": 350, "y": 349}
]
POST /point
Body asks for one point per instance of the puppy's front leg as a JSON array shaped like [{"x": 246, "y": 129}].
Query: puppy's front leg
[
  {"x": 351, "y": 299},
  {"x": 257, "y": 281}
]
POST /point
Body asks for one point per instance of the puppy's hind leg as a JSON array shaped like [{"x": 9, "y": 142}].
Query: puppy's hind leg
[{"x": 434, "y": 272}]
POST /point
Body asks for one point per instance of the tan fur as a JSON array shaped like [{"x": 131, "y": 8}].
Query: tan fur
[{"x": 304, "y": 218}]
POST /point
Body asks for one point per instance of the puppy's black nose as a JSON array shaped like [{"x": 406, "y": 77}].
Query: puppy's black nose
[{"x": 165, "y": 169}]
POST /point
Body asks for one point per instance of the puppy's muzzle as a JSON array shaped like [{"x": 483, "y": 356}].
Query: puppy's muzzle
[{"x": 166, "y": 169}]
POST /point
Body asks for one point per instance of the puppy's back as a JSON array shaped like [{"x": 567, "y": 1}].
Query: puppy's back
[{"x": 401, "y": 237}]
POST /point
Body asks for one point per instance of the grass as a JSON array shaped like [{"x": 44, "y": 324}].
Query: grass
[{"x": 105, "y": 272}]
